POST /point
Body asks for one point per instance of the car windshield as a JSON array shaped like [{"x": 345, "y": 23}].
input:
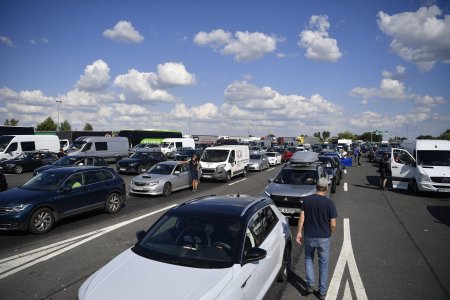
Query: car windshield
[
  {"x": 298, "y": 177},
  {"x": 76, "y": 145},
  {"x": 193, "y": 241},
  {"x": 255, "y": 156},
  {"x": 186, "y": 152},
  {"x": 215, "y": 155},
  {"x": 139, "y": 155},
  {"x": 270, "y": 154},
  {"x": 433, "y": 158},
  {"x": 45, "y": 181},
  {"x": 326, "y": 160},
  {"x": 4, "y": 142},
  {"x": 161, "y": 169},
  {"x": 66, "y": 161}
]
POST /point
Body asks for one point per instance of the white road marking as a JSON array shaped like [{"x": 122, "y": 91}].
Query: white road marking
[
  {"x": 237, "y": 181},
  {"x": 347, "y": 292},
  {"x": 16, "y": 263},
  {"x": 345, "y": 171},
  {"x": 346, "y": 257},
  {"x": 345, "y": 187}
]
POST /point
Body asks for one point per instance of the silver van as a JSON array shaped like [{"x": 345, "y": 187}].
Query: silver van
[{"x": 112, "y": 149}]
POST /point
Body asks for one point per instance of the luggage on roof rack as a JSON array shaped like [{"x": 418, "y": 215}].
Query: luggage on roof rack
[{"x": 304, "y": 158}]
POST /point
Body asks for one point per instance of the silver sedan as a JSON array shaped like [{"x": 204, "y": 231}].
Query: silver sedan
[
  {"x": 162, "y": 179},
  {"x": 258, "y": 162}
]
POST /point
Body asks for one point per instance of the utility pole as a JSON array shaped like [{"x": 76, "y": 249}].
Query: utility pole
[{"x": 57, "y": 125}]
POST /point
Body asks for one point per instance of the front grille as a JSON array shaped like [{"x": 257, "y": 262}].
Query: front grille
[
  {"x": 140, "y": 183},
  {"x": 440, "y": 179},
  {"x": 208, "y": 171},
  {"x": 286, "y": 201}
]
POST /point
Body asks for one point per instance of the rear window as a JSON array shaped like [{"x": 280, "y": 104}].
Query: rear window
[
  {"x": 97, "y": 176},
  {"x": 28, "y": 146}
]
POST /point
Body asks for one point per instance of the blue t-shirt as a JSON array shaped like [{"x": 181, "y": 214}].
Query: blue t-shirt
[{"x": 318, "y": 212}]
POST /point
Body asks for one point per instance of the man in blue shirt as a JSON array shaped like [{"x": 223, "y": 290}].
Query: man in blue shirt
[{"x": 318, "y": 220}]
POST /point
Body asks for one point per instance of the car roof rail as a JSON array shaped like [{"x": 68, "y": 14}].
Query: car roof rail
[
  {"x": 251, "y": 204},
  {"x": 195, "y": 199}
]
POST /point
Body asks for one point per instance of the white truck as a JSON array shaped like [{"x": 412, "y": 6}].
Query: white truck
[
  {"x": 224, "y": 162},
  {"x": 170, "y": 145},
  {"x": 13, "y": 145},
  {"x": 421, "y": 166}
]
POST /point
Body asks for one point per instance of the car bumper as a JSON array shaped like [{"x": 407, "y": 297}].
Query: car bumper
[
  {"x": 254, "y": 167},
  {"x": 433, "y": 187},
  {"x": 12, "y": 222},
  {"x": 145, "y": 190},
  {"x": 128, "y": 170},
  {"x": 219, "y": 174},
  {"x": 6, "y": 169}
]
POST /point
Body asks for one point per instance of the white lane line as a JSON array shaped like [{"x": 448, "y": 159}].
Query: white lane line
[
  {"x": 16, "y": 263},
  {"x": 346, "y": 257},
  {"x": 345, "y": 171},
  {"x": 237, "y": 181},
  {"x": 345, "y": 187},
  {"x": 347, "y": 293}
]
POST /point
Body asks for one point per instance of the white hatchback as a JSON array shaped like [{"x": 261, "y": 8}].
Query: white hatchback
[{"x": 274, "y": 158}]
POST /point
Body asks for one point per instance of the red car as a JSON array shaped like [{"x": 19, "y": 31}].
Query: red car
[{"x": 286, "y": 154}]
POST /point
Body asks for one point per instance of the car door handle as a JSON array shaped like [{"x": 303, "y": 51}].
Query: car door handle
[{"x": 394, "y": 167}]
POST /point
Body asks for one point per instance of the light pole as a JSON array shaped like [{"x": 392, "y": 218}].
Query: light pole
[{"x": 59, "y": 102}]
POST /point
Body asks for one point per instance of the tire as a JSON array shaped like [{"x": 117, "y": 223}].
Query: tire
[
  {"x": 283, "y": 275},
  {"x": 41, "y": 221},
  {"x": 167, "y": 189},
  {"x": 113, "y": 203},
  {"x": 244, "y": 172},
  {"x": 333, "y": 187},
  {"x": 412, "y": 187},
  {"x": 18, "y": 169},
  {"x": 228, "y": 178}
]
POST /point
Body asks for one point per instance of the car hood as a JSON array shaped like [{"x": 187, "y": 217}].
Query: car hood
[
  {"x": 254, "y": 161},
  {"x": 149, "y": 177},
  {"x": 44, "y": 168},
  {"x": 130, "y": 276},
  {"x": 17, "y": 196},
  {"x": 291, "y": 190}
]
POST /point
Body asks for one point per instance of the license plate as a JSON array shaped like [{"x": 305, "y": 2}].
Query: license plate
[
  {"x": 123, "y": 169},
  {"x": 207, "y": 176},
  {"x": 289, "y": 210},
  {"x": 136, "y": 188},
  {"x": 444, "y": 190}
]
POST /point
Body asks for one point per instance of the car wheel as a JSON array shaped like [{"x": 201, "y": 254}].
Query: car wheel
[
  {"x": 41, "y": 221},
  {"x": 333, "y": 187},
  {"x": 167, "y": 189},
  {"x": 228, "y": 178},
  {"x": 113, "y": 203},
  {"x": 412, "y": 187},
  {"x": 18, "y": 169},
  {"x": 286, "y": 265},
  {"x": 244, "y": 172}
]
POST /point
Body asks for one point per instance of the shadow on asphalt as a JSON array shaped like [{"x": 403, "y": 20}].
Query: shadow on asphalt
[
  {"x": 441, "y": 213},
  {"x": 298, "y": 283}
]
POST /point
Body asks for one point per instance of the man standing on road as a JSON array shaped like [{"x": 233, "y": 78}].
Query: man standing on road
[
  {"x": 357, "y": 156},
  {"x": 318, "y": 219},
  {"x": 382, "y": 168}
]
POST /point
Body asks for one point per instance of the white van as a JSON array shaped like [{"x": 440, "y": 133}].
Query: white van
[
  {"x": 422, "y": 166},
  {"x": 13, "y": 145},
  {"x": 170, "y": 145},
  {"x": 224, "y": 162},
  {"x": 109, "y": 148}
]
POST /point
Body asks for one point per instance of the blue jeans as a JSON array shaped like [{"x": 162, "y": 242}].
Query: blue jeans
[{"x": 323, "y": 250}]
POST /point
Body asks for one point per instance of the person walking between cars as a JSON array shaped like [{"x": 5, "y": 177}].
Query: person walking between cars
[
  {"x": 357, "y": 156},
  {"x": 317, "y": 221},
  {"x": 382, "y": 168},
  {"x": 194, "y": 166}
]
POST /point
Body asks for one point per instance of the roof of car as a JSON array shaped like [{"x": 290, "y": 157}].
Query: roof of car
[
  {"x": 70, "y": 170},
  {"x": 224, "y": 206}
]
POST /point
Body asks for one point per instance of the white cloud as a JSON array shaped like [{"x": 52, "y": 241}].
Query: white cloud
[
  {"x": 174, "y": 74},
  {"x": 418, "y": 37},
  {"x": 318, "y": 44},
  {"x": 244, "y": 46},
  {"x": 7, "y": 41},
  {"x": 242, "y": 91},
  {"x": 124, "y": 31},
  {"x": 372, "y": 120},
  {"x": 95, "y": 77},
  {"x": 429, "y": 101},
  {"x": 142, "y": 85}
]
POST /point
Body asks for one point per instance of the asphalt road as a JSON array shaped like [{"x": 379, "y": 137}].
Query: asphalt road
[{"x": 388, "y": 245}]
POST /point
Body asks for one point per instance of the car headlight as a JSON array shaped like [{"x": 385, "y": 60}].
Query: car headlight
[
  {"x": 16, "y": 208},
  {"x": 133, "y": 164},
  {"x": 9, "y": 165},
  {"x": 152, "y": 183},
  {"x": 221, "y": 166}
]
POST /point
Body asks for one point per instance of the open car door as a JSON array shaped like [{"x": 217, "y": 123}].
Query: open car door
[{"x": 403, "y": 168}]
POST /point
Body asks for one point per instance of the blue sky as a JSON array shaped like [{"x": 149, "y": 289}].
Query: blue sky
[{"x": 229, "y": 67}]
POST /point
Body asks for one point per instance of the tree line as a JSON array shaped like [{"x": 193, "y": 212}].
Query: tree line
[{"x": 49, "y": 125}]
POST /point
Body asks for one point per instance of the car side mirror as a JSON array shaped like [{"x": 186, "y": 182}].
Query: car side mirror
[
  {"x": 254, "y": 254},
  {"x": 65, "y": 189},
  {"x": 270, "y": 180},
  {"x": 140, "y": 235},
  {"x": 176, "y": 172}
]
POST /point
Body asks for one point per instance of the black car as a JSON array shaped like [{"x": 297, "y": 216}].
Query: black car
[
  {"x": 73, "y": 161},
  {"x": 333, "y": 167},
  {"x": 140, "y": 162},
  {"x": 187, "y": 154},
  {"x": 27, "y": 161},
  {"x": 59, "y": 193}
]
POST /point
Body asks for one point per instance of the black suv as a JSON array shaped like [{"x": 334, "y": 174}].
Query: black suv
[
  {"x": 140, "y": 162},
  {"x": 296, "y": 180},
  {"x": 73, "y": 161}
]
